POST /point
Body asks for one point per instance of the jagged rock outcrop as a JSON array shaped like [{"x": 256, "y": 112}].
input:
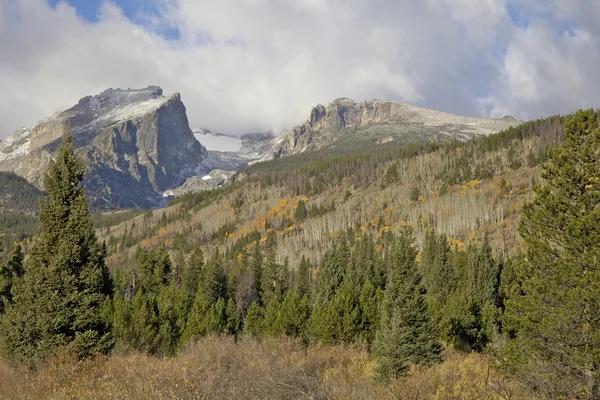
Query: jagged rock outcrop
[
  {"x": 214, "y": 179},
  {"x": 136, "y": 144},
  {"x": 348, "y": 123}
]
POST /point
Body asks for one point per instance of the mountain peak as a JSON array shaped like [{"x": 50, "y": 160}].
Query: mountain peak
[
  {"x": 343, "y": 100},
  {"x": 136, "y": 143},
  {"x": 351, "y": 124}
]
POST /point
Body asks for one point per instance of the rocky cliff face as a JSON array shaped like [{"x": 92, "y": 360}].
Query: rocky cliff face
[
  {"x": 346, "y": 123},
  {"x": 136, "y": 145}
]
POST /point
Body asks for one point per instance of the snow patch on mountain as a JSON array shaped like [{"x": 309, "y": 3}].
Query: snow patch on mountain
[
  {"x": 217, "y": 141},
  {"x": 16, "y": 145},
  {"x": 131, "y": 111}
]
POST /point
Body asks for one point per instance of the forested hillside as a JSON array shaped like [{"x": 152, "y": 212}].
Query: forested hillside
[
  {"x": 430, "y": 262},
  {"x": 18, "y": 208}
]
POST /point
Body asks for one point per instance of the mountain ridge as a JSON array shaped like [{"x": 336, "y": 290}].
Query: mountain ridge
[{"x": 349, "y": 122}]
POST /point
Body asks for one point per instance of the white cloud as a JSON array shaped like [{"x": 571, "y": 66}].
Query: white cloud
[
  {"x": 247, "y": 65},
  {"x": 549, "y": 67}
]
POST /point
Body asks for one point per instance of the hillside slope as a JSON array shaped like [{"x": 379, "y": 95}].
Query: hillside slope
[{"x": 462, "y": 189}]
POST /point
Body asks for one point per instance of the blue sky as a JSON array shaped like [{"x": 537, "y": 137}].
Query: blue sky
[
  {"x": 138, "y": 11},
  {"x": 89, "y": 9},
  {"x": 248, "y": 65}
]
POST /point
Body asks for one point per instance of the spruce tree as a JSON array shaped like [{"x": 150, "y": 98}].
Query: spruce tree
[
  {"x": 57, "y": 302},
  {"x": 233, "y": 317},
  {"x": 215, "y": 280},
  {"x": 193, "y": 271},
  {"x": 256, "y": 265},
  {"x": 144, "y": 323},
  {"x": 302, "y": 281},
  {"x": 554, "y": 308},
  {"x": 254, "y": 322},
  {"x": 293, "y": 315},
  {"x": 300, "y": 212},
  {"x": 438, "y": 272},
  {"x": 274, "y": 276},
  {"x": 406, "y": 334}
]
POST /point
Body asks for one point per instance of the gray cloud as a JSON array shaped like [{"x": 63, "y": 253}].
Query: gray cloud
[{"x": 247, "y": 65}]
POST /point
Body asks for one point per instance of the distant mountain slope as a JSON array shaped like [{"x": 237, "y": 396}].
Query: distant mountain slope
[
  {"x": 136, "y": 145},
  {"x": 346, "y": 123},
  {"x": 18, "y": 195}
]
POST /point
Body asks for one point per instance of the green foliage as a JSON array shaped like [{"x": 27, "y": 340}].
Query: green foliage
[
  {"x": 233, "y": 318},
  {"x": 437, "y": 268},
  {"x": 407, "y": 334},
  {"x": 293, "y": 315},
  {"x": 153, "y": 269},
  {"x": 302, "y": 278},
  {"x": 193, "y": 271},
  {"x": 18, "y": 195},
  {"x": 300, "y": 213},
  {"x": 414, "y": 195},
  {"x": 8, "y": 273},
  {"x": 553, "y": 310},
  {"x": 224, "y": 230},
  {"x": 274, "y": 276},
  {"x": 57, "y": 302},
  {"x": 215, "y": 281},
  {"x": 254, "y": 322}
]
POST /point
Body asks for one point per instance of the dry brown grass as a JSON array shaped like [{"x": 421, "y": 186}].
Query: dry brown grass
[{"x": 218, "y": 368}]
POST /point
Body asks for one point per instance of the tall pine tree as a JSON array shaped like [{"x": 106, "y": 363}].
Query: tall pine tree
[
  {"x": 554, "y": 308},
  {"x": 407, "y": 335},
  {"x": 57, "y": 302}
]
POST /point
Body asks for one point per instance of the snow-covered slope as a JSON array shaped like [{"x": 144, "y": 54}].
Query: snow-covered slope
[
  {"x": 217, "y": 141},
  {"x": 16, "y": 145}
]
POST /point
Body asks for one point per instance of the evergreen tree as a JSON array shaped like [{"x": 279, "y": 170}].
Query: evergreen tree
[
  {"x": 270, "y": 316},
  {"x": 302, "y": 281},
  {"x": 193, "y": 271},
  {"x": 437, "y": 268},
  {"x": 484, "y": 277},
  {"x": 274, "y": 276},
  {"x": 293, "y": 315},
  {"x": 233, "y": 318},
  {"x": 332, "y": 272},
  {"x": 406, "y": 334},
  {"x": 153, "y": 269},
  {"x": 254, "y": 322},
  {"x": 215, "y": 280},
  {"x": 196, "y": 324},
  {"x": 554, "y": 311},
  {"x": 369, "y": 301},
  {"x": 178, "y": 268},
  {"x": 257, "y": 265},
  {"x": 57, "y": 302},
  {"x": 300, "y": 212},
  {"x": 121, "y": 321},
  {"x": 144, "y": 323},
  {"x": 169, "y": 329}
]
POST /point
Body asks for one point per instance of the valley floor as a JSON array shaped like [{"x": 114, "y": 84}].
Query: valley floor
[{"x": 219, "y": 368}]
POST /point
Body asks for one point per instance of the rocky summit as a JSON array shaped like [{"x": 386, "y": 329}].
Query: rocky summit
[
  {"x": 347, "y": 124},
  {"x": 136, "y": 145}
]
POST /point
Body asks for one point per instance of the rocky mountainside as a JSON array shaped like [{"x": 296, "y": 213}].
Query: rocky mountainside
[
  {"x": 347, "y": 123},
  {"x": 136, "y": 145}
]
